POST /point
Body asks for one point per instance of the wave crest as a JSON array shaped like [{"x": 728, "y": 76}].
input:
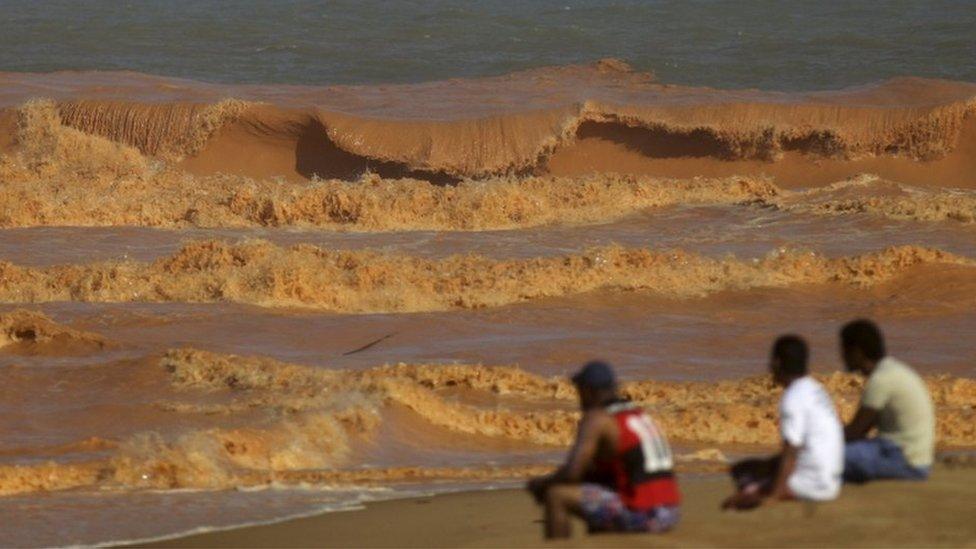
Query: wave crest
[
  {"x": 507, "y": 124},
  {"x": 45, "y": 188},
  {"x": 260, "y": 273},
  {"x": 170, "y": 131},
  {"x": 25, "y": 331},
  {"x": 303, "y": 424},
  {"x": 46, "y": 148}
]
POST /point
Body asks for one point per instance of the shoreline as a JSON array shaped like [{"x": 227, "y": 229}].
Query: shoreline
[{"x": 871, "y": 515}]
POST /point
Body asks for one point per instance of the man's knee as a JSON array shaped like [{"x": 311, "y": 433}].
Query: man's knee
[
  {"x": 562, "y": 495},
  {"x": 743, "y": 468},
  {"x": 739, "y": 468},
  {"x": 860, "y": 460},
  {"x": 751, "y": 470},
  {"x": 854, "y": 472},
  {"x": 556, "y": 494}
]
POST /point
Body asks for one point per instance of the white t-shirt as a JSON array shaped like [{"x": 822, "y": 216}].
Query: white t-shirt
[{"x": 808, "y": 420}]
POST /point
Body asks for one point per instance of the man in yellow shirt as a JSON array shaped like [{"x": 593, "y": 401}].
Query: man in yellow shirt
[{"x": 896, "y": 401}]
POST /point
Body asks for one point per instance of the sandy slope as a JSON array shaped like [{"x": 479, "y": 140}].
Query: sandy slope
[{"x": 883, "y": 514}]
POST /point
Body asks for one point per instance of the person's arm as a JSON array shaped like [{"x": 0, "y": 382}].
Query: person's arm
[
  {"x": 864, "y": 420},
  {"x": 787, "y": 464},
  {"x": 877, "y": 395},
  {"x": 580, "y": 456}
]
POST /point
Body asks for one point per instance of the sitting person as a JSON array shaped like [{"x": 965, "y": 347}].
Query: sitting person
[
  {"x": 896, "y": 401},
  {"x": 618, "y": 475},
  {"x": 810, "y": 464}
]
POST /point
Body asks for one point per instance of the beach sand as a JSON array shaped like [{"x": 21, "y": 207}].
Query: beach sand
[{"x": 880, "y": 514}]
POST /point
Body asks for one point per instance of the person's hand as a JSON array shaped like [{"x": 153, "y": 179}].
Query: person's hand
[
  {"x": 729, "y": 502},
  {"x": 742, "y": 501}
]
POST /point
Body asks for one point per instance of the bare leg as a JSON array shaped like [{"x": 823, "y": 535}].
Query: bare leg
[{"x": 561, "y": 501}]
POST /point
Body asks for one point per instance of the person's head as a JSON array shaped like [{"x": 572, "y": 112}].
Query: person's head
[
  {"x": 596, "y": 384},
  {"x": 788, "y": 359},
  {"x": 861, "y": 345}
]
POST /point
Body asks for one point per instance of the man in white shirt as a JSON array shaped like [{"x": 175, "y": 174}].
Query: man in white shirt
[{"x": 811, "y": 463}]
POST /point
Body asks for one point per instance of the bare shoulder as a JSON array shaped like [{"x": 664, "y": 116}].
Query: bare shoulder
[{"x": 598, "y": 421}]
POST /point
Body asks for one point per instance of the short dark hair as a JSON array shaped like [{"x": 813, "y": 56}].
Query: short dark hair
[
  {"x": 864, "y": 335},
  {"x": 596, "y": 374},
  {"x": 792, "y": 353}
]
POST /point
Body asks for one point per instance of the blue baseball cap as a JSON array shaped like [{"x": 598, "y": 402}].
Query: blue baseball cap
[{"x": 596, "y": 374}]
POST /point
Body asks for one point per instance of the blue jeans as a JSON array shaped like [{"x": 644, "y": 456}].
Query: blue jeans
[{"x": 878, "y": 458}]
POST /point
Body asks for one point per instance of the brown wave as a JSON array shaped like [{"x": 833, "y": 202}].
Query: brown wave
[
  {"x": 168, "y": 131},
  {"x": 217, "y": 458},
  {"x": 222, "y": 458},
  {"x": 723, "y": 412},
  {"x": 711, "y": 461},
  {"x": 740, "y": 411},
  {"x": 891, "y": 201},
  {"x": 42, "y": 146},
  {"x": 316, "y": 416},
  {"x": 51, "y": 477},
  {"x": 260, "y": 273},
  {"x": 32, "y": 332},
  {"x": 60, "y": 176},
  {"x": 565, "y": 120},
  {"x": 941, "y": 208}
]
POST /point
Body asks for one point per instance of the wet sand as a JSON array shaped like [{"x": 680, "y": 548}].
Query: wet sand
[{"x": 881, "y": 514}]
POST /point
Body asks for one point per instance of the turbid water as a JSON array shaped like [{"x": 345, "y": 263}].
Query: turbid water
[
  {"x": 790, "y": 45},
  {"x": 259, "y": 260}
]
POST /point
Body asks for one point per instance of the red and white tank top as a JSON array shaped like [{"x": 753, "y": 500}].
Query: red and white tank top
[{"x": 642, "y": 465}]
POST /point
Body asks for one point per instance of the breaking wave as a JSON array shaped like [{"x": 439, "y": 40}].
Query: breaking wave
[
  {"x": 61, "y": 176},
  {"x": 871, "y": 195},
  {"x": 314, "y": 418},
  {"x": 500, "y": 125},
  {"x": 260, "y": 273},
  {"x": 24, "y": 331}
]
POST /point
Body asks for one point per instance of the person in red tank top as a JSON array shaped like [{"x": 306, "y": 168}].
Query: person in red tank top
[{"x": 618, "y": 476}]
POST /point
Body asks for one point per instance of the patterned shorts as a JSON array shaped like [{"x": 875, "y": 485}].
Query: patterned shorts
[{"x": 605, "y": 512}]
